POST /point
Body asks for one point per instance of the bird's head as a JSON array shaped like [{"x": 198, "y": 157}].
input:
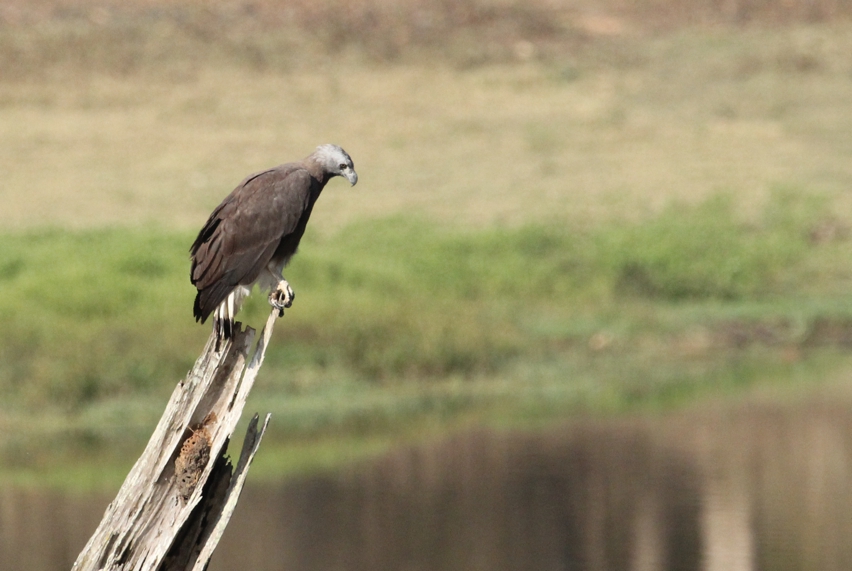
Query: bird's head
[{"x": 336, "y": 162}]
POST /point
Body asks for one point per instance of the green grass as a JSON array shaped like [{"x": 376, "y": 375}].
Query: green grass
[
  {"x": 104, "y": 312},
  {"x": 403, "y": 323}
]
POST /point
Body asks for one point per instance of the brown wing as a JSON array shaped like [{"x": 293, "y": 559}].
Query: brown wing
[{"x": 242, "y": 233}]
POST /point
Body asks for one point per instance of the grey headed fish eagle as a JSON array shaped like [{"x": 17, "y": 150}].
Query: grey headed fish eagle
[{"x": 253, "y": 233}]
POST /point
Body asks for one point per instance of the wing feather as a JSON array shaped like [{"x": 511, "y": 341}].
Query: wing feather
[{"x": 208, "y": 259}]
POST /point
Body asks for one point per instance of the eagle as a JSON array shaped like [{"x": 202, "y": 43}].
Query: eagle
[{"x": 253, "y": 233}]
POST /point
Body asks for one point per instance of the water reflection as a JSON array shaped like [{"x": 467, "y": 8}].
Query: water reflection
[
  {"x": 760, "y": 487},
  {"x": 755, "y": 488},
  {"x": 486, "y": 501},
  {"x": 45, "y": 530}
]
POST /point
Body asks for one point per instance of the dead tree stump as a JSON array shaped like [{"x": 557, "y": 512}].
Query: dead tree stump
[{"x": 174, "y": 505}]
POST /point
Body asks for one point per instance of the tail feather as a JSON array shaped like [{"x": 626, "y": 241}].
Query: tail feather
[
  {"x": 209, "y": 299},
  {"x": 196, "y": 309},
  {"x": 224, "y": 330}
]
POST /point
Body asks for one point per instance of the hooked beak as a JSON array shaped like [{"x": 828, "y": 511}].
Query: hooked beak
[{"x": 351, "y": 176}]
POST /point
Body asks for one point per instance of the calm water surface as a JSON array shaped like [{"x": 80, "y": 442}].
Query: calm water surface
[{"x": 758, "y": 487}]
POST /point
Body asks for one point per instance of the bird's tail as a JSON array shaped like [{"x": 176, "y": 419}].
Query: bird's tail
[{"x": 223, "y": 327}]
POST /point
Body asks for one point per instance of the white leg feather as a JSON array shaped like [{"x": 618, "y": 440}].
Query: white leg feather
[{"x": 231, "y": 313}]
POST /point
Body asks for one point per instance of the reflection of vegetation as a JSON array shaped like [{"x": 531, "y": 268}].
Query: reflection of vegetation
[{"x": 535, "y": 316}]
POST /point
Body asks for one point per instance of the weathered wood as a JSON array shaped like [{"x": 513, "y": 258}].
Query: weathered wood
[{"x": 172, "y": 518}]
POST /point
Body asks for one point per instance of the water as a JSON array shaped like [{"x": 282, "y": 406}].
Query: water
[{"x": 759, "y": 487}]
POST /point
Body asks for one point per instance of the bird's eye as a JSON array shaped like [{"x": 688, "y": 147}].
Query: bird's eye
[{"x": 342, "y": 166}]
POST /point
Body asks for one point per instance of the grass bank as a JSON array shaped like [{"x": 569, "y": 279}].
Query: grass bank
[{"x": 402, "y": 324}]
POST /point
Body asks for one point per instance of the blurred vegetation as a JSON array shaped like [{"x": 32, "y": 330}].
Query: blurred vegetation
[
  {"x": 592, "y": 274},
  {"x": 37, "y": 36},
  {"x": 400, "y": 319}
]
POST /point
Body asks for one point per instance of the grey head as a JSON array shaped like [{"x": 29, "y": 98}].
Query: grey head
[{"x": 336, "y": 162}]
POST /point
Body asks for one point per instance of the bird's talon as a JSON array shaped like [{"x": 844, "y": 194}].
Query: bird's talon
[{"x": 281, "y": 297}]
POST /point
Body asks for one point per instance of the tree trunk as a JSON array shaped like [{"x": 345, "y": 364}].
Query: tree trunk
[{"x": 174, "y": 505}]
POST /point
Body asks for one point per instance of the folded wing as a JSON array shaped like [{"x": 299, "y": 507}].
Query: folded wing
[{"x": 243, "y": 232}]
